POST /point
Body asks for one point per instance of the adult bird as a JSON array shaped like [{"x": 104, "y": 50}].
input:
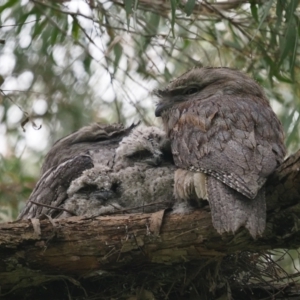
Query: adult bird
[{"x": 226, "y": 140}]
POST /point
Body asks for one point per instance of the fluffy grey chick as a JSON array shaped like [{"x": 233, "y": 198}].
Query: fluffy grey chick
[
  {"x": 141, "y": 179},
  {"x": 116, "y": 170},
  {"x": 67, "y": 160}
]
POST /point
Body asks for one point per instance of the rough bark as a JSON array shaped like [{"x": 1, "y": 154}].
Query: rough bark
[{"x": 34, "y": 251}]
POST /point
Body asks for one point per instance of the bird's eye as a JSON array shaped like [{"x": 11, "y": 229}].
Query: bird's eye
[{"x": 191, "y": 90}]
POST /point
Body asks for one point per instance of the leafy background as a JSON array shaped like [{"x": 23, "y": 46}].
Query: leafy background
[{"x": 64, "y": 64}]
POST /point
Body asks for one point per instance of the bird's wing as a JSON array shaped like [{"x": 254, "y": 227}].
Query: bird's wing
[
  {"x": 95, "y": 137},
  {"x": 231, "y": 210},
  {"x": 234, "y": 139},
  {"x": 51, "y": 189}
]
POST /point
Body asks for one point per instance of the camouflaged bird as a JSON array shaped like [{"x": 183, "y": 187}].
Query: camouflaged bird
[
  {"x": 226, "y": 141},
  {"x": 103, "y": 169}
]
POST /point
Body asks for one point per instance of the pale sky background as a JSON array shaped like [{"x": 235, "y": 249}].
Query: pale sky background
[{"x": 100, "y": 81}]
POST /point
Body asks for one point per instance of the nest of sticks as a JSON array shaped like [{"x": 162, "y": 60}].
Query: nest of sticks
[{"x": 237, "y": 276}]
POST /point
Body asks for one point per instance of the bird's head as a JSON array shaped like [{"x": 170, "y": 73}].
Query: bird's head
[
  {"x": 147, "y": 145},
  {"x": 201, "y": 83}
]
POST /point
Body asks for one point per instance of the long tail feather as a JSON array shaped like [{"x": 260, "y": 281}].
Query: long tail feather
[{"x": 231, "y": 210}]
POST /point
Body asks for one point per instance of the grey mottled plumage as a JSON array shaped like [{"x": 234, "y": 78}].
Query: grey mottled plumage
[
  {"x": 103, "y": 169},
  {"x": 220, "y": 123}
]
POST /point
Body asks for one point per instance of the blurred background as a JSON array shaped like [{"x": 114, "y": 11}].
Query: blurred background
[{"x": 65, "y": 64}]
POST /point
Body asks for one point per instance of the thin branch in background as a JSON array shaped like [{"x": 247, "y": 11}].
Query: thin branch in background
[
  {"x": 48, "y": 17},
  {"x": 54, "y": 207},
  {"x": 24, "y": 91},
  {"x": 12, "y": 101},
  {"x": 118, "y": 210},
  {"x": 18, "y": 24}
]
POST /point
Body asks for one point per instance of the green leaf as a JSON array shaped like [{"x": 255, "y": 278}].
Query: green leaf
[
  {"x": 87, "y": 63},
  {"x": 266, "y": 9},
  {"x": 254, "y": 11},
  {"x": 38, "y": 28},
  {"x": 54, "y": 36},
  {"x": 154, "y": 22},
  {"x": 294, "y": 55},
  {"x": 141, "y": 45},
  {"x": 294, "y": 133},
  {"x": 290, "y": 41},
  {"x": 64, "y": 27},
  {"x": 279, "y": 12},
  {"x": 283, "y": 78},
  {"x": 173, "y": 11},
  {"x": 186, "y": 43},
  {"x": 288, "y": 44},
  {"x": 1, "y": 80},
  {"x": 118, "y": 50},
  {"x": 21, "y": 22},
  {"x": 75, "y": 29},
  {"x": 128, "y": 6},
  {"x": 189, "y": 7},
  {"x": 167, "y": 74},
  {"x": 23, "y": 17},
  {"x": 232, "y": 44},
  {"x": 8, "y": 4}
]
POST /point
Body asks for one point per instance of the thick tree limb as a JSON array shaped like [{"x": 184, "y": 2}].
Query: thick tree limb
[{"x": 33, "y": 251}]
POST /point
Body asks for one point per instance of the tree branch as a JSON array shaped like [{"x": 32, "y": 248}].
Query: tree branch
[{"x": 37, "y": 249}]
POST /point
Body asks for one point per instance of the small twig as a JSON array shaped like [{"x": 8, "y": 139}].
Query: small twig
[
  {"x": 131, "y": 208},
  {"x": 14, "y": 102},
  {"x": 17, "y": 24},
  {"x": 26, "y": 114},
  {"x": 118, "y": 210},
  {"x": 24, "y": 91},
  {"x": 115, "y": 207},
  {"x": 54, "y": 207}
]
